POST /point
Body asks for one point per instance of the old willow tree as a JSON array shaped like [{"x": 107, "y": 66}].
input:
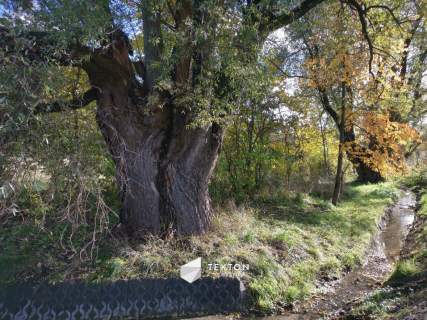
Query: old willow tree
[{"x": 160, "y": 104}]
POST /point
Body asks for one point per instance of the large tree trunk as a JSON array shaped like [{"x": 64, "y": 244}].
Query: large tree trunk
[
  {"x": 163, "y": 160},
  {"x": 163, "y": 166}
]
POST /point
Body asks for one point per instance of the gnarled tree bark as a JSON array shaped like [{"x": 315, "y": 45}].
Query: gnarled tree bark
[{"x": 162, "y": 166}]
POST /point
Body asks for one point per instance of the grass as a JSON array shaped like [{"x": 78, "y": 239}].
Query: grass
[
  {"x": 288, "y": 243},
  {"x": 390, "y": 303},
  {"x": 405, "y": 269},
  {"x": 423, "y": 203}
]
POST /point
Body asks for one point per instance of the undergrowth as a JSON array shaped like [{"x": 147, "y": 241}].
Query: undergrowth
[{"x": 289, "y": 242}]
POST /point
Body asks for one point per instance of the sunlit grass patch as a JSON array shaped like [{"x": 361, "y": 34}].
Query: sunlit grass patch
[
  {"x": 423, "y": 204},
  {"x": 405, "y": 269}
]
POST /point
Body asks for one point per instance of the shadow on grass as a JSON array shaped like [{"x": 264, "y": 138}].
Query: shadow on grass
[{"x": 346, "y": 218}]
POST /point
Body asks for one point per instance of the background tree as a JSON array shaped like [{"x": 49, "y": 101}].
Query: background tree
[{"x": 322, "y": 41}]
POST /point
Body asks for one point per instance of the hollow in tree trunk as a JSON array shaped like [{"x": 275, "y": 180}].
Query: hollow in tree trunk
[{"x": 366, "y": 174}]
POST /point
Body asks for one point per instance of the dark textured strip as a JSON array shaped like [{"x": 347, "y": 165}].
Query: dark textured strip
[{"x": 121, "y": 299}]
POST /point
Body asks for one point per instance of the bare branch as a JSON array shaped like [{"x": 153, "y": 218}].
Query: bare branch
[
  {"x": 283, "y": 72},
  {"x": 361, "y": 12},
  {"x": 390, "y": 11},
  {"x": 77, "y": 103}
]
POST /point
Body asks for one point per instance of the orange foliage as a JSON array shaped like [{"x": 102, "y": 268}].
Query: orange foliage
[{"x": 382, "y": 143}]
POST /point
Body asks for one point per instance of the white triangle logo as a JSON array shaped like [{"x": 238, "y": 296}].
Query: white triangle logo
[{"x": 192, "y": 271}]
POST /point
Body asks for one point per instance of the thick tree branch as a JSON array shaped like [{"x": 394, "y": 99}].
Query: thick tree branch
[
  {"x": 407, "y": 44},
  {"x": 283, "y": 20},
  {"x": 324, "y": 99},
  {"x": 77, "y": 103},
  {"x": 323, "y": 96}
]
